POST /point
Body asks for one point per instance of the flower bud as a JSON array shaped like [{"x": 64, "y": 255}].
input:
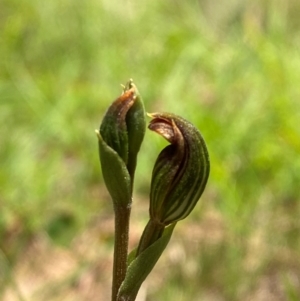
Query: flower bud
[
  {"x": 181, "y": 170},
  {"x": 113, "y": 129},
  {"x": 120, "y": 137}
]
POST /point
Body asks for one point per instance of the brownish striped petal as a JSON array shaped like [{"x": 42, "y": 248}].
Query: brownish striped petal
[{"x": 181, "y": 170}]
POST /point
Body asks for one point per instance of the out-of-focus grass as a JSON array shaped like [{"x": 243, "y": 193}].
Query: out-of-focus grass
[{"x": 232, "y": 69}]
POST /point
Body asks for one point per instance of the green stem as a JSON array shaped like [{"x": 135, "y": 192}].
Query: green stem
[
  {"x": 122, "y": 215},
  {"x": 152, "y": 232}
]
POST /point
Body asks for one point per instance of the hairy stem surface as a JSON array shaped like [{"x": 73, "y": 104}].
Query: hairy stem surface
[{"x": 122, "y": 216}]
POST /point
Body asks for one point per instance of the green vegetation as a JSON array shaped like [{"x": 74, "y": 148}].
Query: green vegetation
[{"x": 233, "y": 70}]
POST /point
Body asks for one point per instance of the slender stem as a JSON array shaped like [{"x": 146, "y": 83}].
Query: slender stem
[
  {"x": 122, "y": 215},
  {"x": 152, "y": 232}
]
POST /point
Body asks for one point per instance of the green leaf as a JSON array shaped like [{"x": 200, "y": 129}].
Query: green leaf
[
  {"x": 141, "y": 266},
  {"x": 115, "y": 174}
]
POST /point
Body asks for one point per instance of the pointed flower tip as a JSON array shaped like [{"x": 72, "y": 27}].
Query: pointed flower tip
[
  {"x": 98, "y": 134},
  {"x": 151, "y": 115},
  {"x": 129, "y": 86}
]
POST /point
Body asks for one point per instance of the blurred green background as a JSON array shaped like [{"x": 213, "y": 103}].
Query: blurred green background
[{"x": 232, "y": 68}]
